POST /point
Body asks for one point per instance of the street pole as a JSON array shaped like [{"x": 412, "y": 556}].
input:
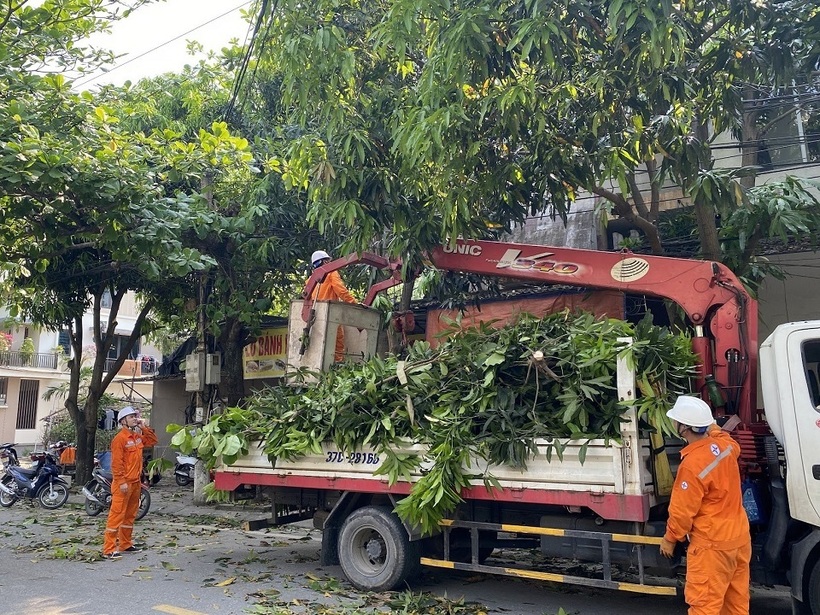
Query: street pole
[{"x": 201, "y": 476}]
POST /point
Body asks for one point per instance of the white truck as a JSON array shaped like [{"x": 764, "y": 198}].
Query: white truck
[{"x": 611, "y": 508}]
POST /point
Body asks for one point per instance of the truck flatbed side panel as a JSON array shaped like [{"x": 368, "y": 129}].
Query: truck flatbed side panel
[
  {"x": 607, "y": 467},
  {"x": 610, "y": 481},
  {"x": 608, "y": 505}
]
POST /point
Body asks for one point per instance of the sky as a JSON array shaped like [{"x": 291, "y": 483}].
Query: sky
[{"x": 152, "y": 30}]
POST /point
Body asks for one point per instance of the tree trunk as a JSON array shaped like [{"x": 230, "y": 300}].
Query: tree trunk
[
  {"x": 623, "y": 208},
  {"x": 89, "y": 417},
  {"x": 201, "y": 479},
  {"x": 231, "y": 343},
  {"x": 85, "y": 418},
  {"x": 705, "y": 211},
  {"x": 85, "y": 447},
  {"x": 396, "y": 333}
]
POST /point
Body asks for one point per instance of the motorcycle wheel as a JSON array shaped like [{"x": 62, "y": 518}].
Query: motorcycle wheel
[
  {"x": 53, "y": 496},
  {"x": 145, "y": 503},
  {"x": 92, "y": 509},
  {"x": 183, "y": 481},
  {"x": 7, "y": 499}
]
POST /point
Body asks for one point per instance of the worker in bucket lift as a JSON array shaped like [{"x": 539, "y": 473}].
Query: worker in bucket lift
[
  {"x": 332, "y": 288},
  {"x": 707, "y": 506}
]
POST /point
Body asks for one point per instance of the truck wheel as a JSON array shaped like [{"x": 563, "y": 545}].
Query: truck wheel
[
  {"x": 811, "y": 597},
  {"x": 800, "y": 608},
  {"x": 375, "y": 551}
]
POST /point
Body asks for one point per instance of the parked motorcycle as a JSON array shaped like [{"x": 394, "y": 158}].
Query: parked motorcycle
[
  {"x": 184, "y": 469},
  {"x": 67, "y": 455},
  {"x": 41, "y": 483},
  {"x": 97, "y": 493},
  {"x": 8, "y": 455}
]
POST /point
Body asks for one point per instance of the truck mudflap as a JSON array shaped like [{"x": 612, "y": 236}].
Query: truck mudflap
[{"x": 668, "y": 588}]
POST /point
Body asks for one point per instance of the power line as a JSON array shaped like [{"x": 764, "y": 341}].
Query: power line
[
  {"x": 261, "y": 48},
  {"x": 91, "y": 78},
  {"x": 243, "y": 68}
]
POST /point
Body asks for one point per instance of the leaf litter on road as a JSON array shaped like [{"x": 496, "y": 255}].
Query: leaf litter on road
[{"x": 67, "y": 534}]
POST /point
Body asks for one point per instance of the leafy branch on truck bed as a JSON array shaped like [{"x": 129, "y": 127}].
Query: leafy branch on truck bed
[{"x": 484, "y": 396}]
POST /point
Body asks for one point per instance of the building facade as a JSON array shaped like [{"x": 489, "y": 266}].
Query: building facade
[{"x": 34, "y": 361}]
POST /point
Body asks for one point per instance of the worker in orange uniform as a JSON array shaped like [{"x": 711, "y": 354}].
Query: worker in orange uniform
[
  {"x": 69, "y": 455},
  {"x": 126, "y": 468},
  {"x": 707, "y": 506},
  {"x": 332, "y": 288}
]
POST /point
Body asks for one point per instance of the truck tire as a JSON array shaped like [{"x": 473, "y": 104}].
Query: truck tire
[
  {"x": 811, "y": 598},
  {"x": 375, "y": 552},
  {"x": 799, "y": 608}
]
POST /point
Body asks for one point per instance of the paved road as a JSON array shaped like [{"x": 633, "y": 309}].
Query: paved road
[{"x": 200, "y": 562}]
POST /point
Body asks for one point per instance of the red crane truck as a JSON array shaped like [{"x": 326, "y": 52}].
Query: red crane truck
[{"x": 610, "y": 509}]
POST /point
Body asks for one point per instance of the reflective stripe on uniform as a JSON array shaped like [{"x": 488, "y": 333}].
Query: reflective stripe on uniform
[{"x": 723, "y": 455}]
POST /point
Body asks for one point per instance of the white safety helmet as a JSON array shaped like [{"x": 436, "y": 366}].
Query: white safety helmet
[
  {"x": 127, "y": 411},
  {"x": 317, "y": 256},
  {"x": 691, "y": 411}
]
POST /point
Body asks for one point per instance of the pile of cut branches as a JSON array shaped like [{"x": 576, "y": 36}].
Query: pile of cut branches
[{"x": 487, "y": 394}]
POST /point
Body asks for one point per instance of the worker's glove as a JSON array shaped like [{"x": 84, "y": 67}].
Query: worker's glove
[{"x": 667, "y": 548}]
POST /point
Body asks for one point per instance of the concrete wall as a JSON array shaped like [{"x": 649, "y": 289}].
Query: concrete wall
[
  {"x": 795, "y": 298},
  {"x": 8, "y": 413},
  {"x": 580, "y": 231},
  {"x": 169, "y": 403}
]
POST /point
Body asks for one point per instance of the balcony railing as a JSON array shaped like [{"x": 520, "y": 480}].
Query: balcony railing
[
  {"x": 39, "y": 360},
  {"x": 133, "y": 367},
  {"x": 51, "y": 360}
]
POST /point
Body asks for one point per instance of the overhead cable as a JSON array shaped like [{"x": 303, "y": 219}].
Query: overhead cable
[
  {"x": 90, "y": 78},
  {"x": 243, "y": 68}
]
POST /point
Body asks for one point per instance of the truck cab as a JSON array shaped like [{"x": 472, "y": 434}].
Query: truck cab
[{"x": 789, "y": 368}]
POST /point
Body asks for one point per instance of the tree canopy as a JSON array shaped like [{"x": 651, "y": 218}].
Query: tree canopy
[
  {"x": 254, "y": 232},
  {"x": 89, "y": 206},
  {"x": 422, "y": 121}
]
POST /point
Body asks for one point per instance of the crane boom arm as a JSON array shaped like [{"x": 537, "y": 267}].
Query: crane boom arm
[{"x": 723, "y": 314}]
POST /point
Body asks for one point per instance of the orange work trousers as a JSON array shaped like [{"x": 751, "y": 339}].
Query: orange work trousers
[
  {"x": 119, "y": 529},
  {"x": 339, "y": 350},
  {"x": 717, "y": 582}
]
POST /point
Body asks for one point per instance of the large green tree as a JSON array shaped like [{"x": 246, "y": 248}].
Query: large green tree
[
  {"x": 41, "y": 137},
  {"x": 91, "y": 205},
  {"x": 422, "y": 121},
  {"x": 87, "y": 210},
  {"x": 255, "y": 231}
]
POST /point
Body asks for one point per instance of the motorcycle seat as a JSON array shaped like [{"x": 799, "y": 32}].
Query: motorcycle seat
[
  {"x": 31, "y": 473},
  {"x": 106, "y": 475}
]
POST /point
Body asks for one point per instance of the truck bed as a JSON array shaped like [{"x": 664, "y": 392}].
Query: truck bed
[{"x": 614, "y": 479}]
